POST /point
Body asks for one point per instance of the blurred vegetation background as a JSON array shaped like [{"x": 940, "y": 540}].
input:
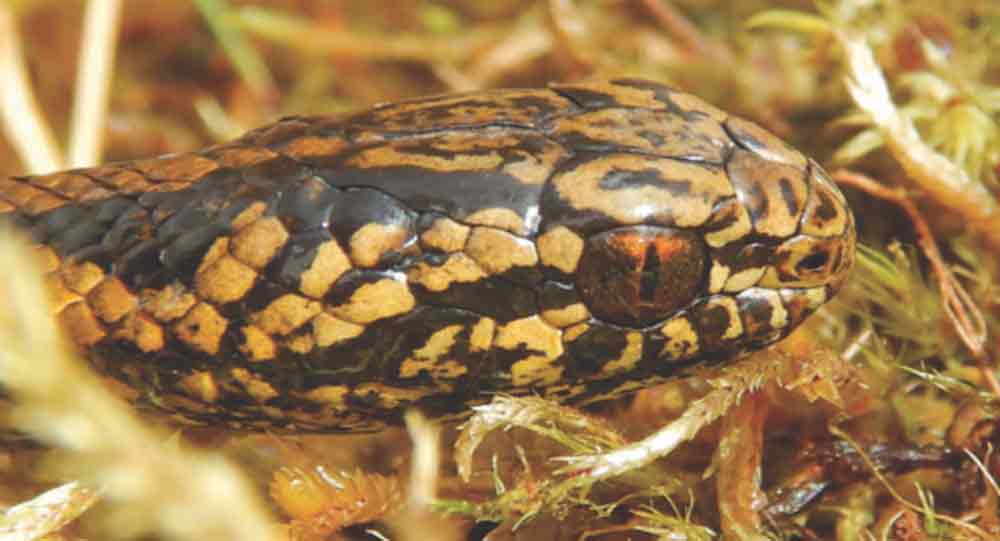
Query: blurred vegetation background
[{"x": 904, "y": 93}]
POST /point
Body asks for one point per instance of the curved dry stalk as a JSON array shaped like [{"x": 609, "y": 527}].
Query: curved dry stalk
[
  {"x": 965, "y": 316},
  {"x": 20, "y": 115},
  {"x": 940, "y": 177}
]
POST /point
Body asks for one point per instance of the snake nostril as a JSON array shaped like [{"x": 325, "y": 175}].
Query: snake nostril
[{"x": 813, "y": 262}]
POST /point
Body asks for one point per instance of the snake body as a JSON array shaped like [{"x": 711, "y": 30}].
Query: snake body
[{"x": 324, "y": 273}]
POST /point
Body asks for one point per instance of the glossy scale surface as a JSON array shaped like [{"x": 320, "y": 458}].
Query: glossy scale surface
[{"x": 325, "y": 273}]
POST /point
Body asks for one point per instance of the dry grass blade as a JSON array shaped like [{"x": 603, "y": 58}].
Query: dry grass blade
[
  {"x": 61, "y": 402},
  {"x": 22, "y": 120},
  {"x": 94, "y": 70}
]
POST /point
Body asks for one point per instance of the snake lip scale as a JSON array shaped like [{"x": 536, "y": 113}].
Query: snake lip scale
[{"x": 324, "y": 273}]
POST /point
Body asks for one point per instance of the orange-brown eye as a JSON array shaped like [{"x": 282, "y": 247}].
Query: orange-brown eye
[{"x": 636, "y": 276}]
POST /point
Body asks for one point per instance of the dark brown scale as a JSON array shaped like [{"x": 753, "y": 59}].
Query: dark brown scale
[{"x": 325, "y": 273}]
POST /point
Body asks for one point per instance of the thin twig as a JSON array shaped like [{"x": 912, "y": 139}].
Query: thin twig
[
  {"x": 958, "y": 304},
  {"x": 20, "y": 115}
]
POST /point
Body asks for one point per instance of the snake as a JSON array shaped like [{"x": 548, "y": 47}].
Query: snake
[{"x": 325, "y": 273}]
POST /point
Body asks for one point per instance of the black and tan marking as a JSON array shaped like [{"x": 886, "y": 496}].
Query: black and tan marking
[{"x": 325, "y": 273}]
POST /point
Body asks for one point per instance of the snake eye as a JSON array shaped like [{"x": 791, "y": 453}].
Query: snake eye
[{"x": 636, "y": 276}]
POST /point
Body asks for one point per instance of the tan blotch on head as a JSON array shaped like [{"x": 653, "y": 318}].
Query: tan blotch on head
[
  {"x": 656, "y": 132},
  {"x": 733, "y": 224},
  {"x": 167, "y": 304},
  {"x": 693, "y": 189},
  {"x": 378, "y": 300},
  {"x": 222, "y": 278},
  {"x": 237, "y": 156},
  {"x": 826, "y": 213},
  {"x": 717, "y": 277},
  {"x": 202, "y": 328},
  {"x": 312, "y": 146},
  {"x": 499, "y": 218},
  {"x": 535, "y": 167},
  {"x": 372, "y": 241},
  {"x": 498, "y": 251},
  {"x": 82, "y": 325},
  {"x": 326, "y": 268},
  {"x": 627, "y": 359},
  {"x": 625, "y": 96},
  {"x": 743, "y": 279},
  {"x": 434, "y": 357},
  {"x": 80, "y": 277},
  {"x": 249, "y": 215},
  {"x": 457, "y": 268},
  {"x": 200, "y": 385},
  {"x": 773, "y": 192},
  {"x": 143, "y": 331},
  {"x": 397, "y": 155},
  {"x": 445, "y": 235},
  {"x": 286, "y": 314},
  {"x": 566, "y": 316},
  {"x": 561, "y": 248},
  {"x": 257, "y": 388},
  {"x": 258, "y": 243},
  {"x": 682, "y": 339},
  {"x": 111, "y": 300},
  {"x": 176, "y": 167},
  {"x": 258, "y": 345},
  {"x": 329, "y": 331},
  {"x": 543, "y": 345}
]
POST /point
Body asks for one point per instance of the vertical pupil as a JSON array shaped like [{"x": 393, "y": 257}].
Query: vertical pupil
[{"x": 650, "y": 273}]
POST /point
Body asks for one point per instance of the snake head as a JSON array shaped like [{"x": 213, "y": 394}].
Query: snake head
[{"x": 711, "y": 262}]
